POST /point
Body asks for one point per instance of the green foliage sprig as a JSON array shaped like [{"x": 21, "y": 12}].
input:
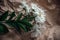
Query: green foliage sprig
[{"x": 17, "y": 23}]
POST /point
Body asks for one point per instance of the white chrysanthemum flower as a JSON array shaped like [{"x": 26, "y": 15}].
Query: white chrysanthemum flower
[
  {"x": 25, "y": 5},
  {"x": 39, "y": 12},
  {"x": 40, "y": 18},
  {"x": 36, "y": 32}
]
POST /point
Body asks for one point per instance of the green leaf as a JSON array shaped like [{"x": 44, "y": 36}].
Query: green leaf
[
  {"x": 14, "y": 25},
  {"x": 12, "y": 15},
  {"x": 17, "y": 25},
  {"x": 29, "y": 17},
  {"x": 23, "y": 27},
  {"x": 4, "y": 16},
  {"x": 25, "y": 22},
  {"x": 24, "y": 19},
  {"x": 19, "y": 16},
  {"x": 3, "y": 29},
  {"x": 10, "y": 23}
]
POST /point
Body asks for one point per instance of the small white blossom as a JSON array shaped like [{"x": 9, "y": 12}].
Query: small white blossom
[
  {"x": 40, "y": 18},
  {"x": 36, "y": 32},
  {"x": 39, "y": 12},
  {"x": 25, "y": 5},
  {"x": 35, "y": 27}
]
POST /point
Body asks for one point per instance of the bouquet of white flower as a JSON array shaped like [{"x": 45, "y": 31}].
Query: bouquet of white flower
[
  {"x": 39, "y": 19},
  {"x": 24, "y": 19}
]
